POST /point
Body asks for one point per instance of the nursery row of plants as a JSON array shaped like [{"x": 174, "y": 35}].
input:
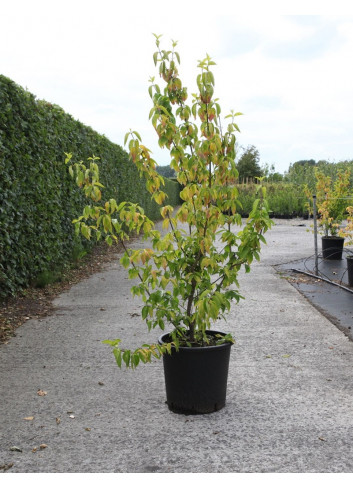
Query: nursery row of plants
[
  {"x": 38, "y": 198},
  {"x": 285, "y": 200},
  {"x": 292, "y": 197}
]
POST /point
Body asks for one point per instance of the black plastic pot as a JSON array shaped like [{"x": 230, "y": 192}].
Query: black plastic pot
[
  {"x": 332, "y": 247},
  {"x": 196, "y": 377},
  {"x": 350, "y": 270}
]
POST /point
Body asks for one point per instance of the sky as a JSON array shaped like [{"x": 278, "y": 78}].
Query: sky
[{"x": 288, "y": 70}]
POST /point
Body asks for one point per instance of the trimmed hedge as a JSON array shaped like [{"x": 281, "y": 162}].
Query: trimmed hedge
[{"x": 38, "y": 198}]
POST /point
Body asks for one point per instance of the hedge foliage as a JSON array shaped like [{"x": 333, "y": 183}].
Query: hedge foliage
[{"x": 38, "y": 198}]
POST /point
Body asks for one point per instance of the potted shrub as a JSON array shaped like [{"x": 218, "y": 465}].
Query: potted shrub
[
  {"x": 187, "y": 274},
  {"x": 331, "y": 206}
]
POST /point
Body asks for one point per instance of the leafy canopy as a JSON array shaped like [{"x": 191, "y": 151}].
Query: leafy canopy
[{"x": 188, "y": 272}]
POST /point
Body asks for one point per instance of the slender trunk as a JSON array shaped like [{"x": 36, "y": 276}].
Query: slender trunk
[{"x": 189, "y": 308}]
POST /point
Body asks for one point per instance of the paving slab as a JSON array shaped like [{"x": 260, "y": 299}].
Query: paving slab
[{"x": 289, "y": 401}]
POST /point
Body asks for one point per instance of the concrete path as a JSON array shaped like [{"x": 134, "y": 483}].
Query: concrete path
[{"x": 290, "y": 390}]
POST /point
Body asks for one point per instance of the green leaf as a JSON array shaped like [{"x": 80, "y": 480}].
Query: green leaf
[
  {"x": 137, "y": 135},
  {"x": 111, "y": 342},
  {"x": 117, "y": 355},
  {"x": 86, "y": 231},
  {"x": 125, "y": 260},
  {"x": 107, "y": 223},
  {"x": 152, "y": 111},
  {"x": 135, "y": 359},
  {"x": 126, "y": 357},
  {"x": 144, "y": 312}
]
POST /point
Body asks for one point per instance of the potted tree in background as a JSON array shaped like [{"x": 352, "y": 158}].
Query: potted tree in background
[
  {"x": 187, "y": 274},
  {"x": 331, "y": 204}
]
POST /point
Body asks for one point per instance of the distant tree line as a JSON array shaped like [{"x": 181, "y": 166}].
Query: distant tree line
[
  {"x": 248, "y": 167},
  {"x": 303, "y": 172},
  {"x": 299, "y": 173}
]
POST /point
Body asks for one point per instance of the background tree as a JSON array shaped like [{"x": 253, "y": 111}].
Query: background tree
[
  {"x": 166, "y": 171},
  {"x": 270, "y": 173},
  {"x": 302, "y": 172},
  {"x": 248, "y": 165}
]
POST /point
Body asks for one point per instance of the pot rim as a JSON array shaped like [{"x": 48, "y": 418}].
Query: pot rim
[
  {"x": 340, "y": 238},
  {"x": 199, "y": 348}
]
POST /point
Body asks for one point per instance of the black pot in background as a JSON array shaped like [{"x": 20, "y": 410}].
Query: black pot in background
[
  {"x": 350, "y": 270},
  {"x": 332, "y": 247},
  {"x": 196, "y": 377}
]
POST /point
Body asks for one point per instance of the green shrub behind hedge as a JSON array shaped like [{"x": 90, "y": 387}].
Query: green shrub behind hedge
[{"x": 38, "y": 198}]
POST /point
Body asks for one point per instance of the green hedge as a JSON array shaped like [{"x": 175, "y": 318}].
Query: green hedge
[{"x": 38, "y": 199}]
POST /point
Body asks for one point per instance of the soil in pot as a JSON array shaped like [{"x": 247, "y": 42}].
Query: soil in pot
[{"x": 196, "y": 377}]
